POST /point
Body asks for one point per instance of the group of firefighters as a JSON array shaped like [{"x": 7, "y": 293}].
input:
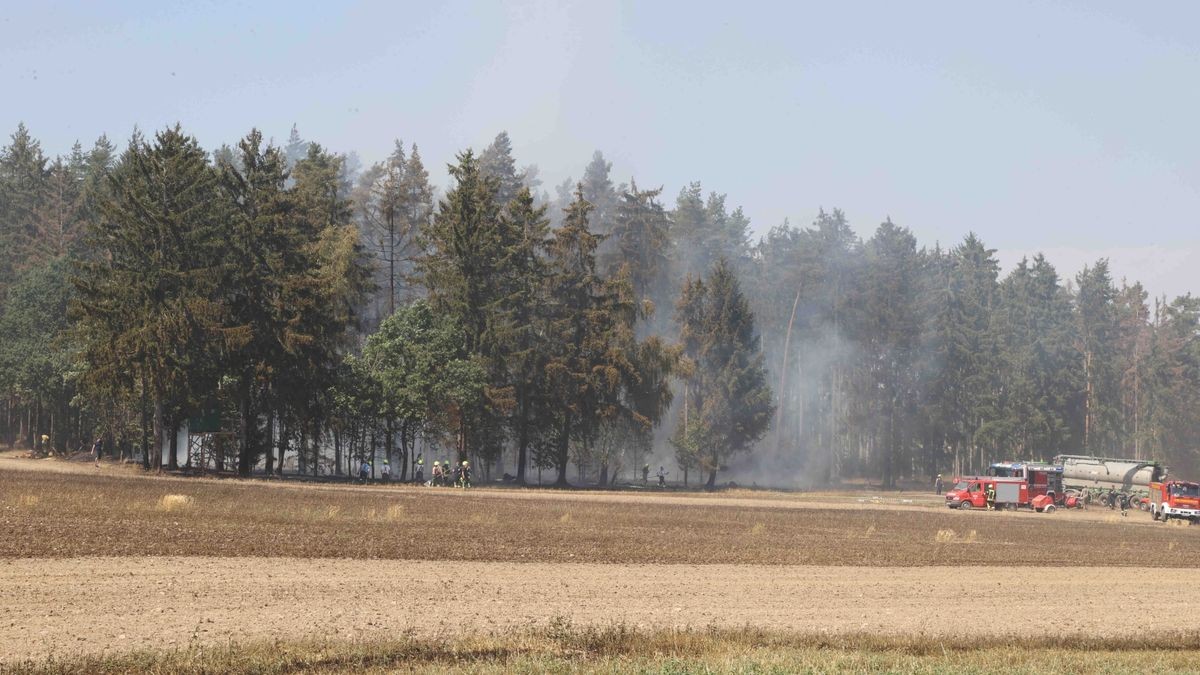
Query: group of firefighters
[{"x": 444, "y": 473}]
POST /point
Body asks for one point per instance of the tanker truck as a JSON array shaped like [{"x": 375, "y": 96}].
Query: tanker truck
[{"x": 1099, "y": 475}]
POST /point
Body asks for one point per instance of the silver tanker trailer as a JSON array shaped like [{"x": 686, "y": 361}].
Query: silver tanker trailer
[{"x": 1097, "y": 475}]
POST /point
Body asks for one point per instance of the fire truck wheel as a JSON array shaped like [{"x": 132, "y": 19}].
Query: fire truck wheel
[
  {"x": 965, "y": 506},
  {"x": 1154, "y": 514},
  {"x": 1049, "y": 509}
]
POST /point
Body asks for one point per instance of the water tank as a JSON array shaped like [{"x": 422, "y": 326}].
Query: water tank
[{"x": 1104, "y": 473}]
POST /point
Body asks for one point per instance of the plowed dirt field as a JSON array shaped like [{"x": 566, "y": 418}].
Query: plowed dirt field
[
  {"x": 92, "y": 605},
  {"x": 104, "y": 560}
]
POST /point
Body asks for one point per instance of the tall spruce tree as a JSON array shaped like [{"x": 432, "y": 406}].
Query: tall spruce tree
[
  {"x": 522, "y": 329},
  {"x": 599, "y": 191},
  {"x": 497, "y": 163},
  {"x": 1039, "y": 367},
  {"x": 728, "y": 395},
  {"x": 267, "y": 253},
  {"x": 387, "y": 216},
  {"x": 1133, "y": 345},
  {"x": 295, "y": 149},
  {"x": 890, "y": 340},
  {"x": 641, "y": 244},
  {"x": 581, "y": 377},
  {"x": 462, "y": 254},
  {"x": 965, "y": 383},
  {"x": 23, "y": 194},
  {"x": 322, "y": 303},
  {"x": 151, "y": 302},
  {"x": 1096, "y": 339}
]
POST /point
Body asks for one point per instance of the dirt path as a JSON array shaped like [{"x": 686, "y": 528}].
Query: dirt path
[{"x": 65, "y": 606}]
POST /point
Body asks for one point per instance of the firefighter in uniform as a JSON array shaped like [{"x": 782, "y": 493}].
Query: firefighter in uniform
[{"x": 991, "y": 496}]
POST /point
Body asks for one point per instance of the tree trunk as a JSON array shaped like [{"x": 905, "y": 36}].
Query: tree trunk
[
  {"x": 564, "y": 446},
  {"x": 522, "y": 442},
  {"x": 337, "y": 451},
  {"x": 316, "y": 447},
  {"x": 159, "y": 428},
  {"x": 145, "y": 424},
  {"x": 389, "y": 443},
  {"x": 888, "y": 479},
  {"x": 1087, "y": 401},
  {"x": 462, "y": 442},
  {"x": 244, "y": 449},
  {"x": 404, "y": 453},
  {"x": 22, "y": 422},
  {"x": 37, "y": 423},
  {"x": 283, "y": 443},
  {"x": 787, "y": 341},
  {"x": 301, "y": 449},
  {"x": 173, "y": 444},
  {"x": 270, "y": 445}
]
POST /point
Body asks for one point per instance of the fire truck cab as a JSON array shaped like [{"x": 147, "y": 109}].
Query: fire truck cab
[
  {"x": 1175, "y": 499},
  {"x": 970, "y": 492}
]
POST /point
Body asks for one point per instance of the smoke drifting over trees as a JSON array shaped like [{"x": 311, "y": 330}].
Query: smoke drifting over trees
[{"x": 328, "y": 315}]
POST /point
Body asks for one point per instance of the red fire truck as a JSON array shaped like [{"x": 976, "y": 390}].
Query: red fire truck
[
  {"x": 970, "y": 492},
  {"x": 1041, "y": 478},
  {"x": 1175, "y": 499}
]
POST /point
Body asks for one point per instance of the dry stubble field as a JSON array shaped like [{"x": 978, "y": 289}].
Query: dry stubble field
[{"x": 106, "y": 569}]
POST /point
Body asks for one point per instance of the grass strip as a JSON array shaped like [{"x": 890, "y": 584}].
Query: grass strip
[{"x": 560, "y": 646}]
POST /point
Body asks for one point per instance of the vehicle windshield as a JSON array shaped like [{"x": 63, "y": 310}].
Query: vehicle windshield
[
  {"x": 1185, "y": 490},
  {"x": 960, "y": 485}
]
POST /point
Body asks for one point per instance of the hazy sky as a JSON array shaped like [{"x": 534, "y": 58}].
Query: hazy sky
[{"x": 1064, "y": 127}]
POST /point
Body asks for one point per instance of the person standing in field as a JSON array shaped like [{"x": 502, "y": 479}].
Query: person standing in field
[
  {"x": 991, "y": 496},
  {"x": 364, "y": 471},
  {"x": 437, "y": 472},
  {"x": 385, "y": 474},
  {"x": 662, "y": 477},
  {"x": 645, "y": 474},
  {"x": 937, "y": 484}
]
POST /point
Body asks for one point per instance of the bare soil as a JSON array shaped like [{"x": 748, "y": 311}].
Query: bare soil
[
  {"x": 101, "y": 560},
  {"x": 47, "y": 514},
  {"x": 97, "y": 605}
]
